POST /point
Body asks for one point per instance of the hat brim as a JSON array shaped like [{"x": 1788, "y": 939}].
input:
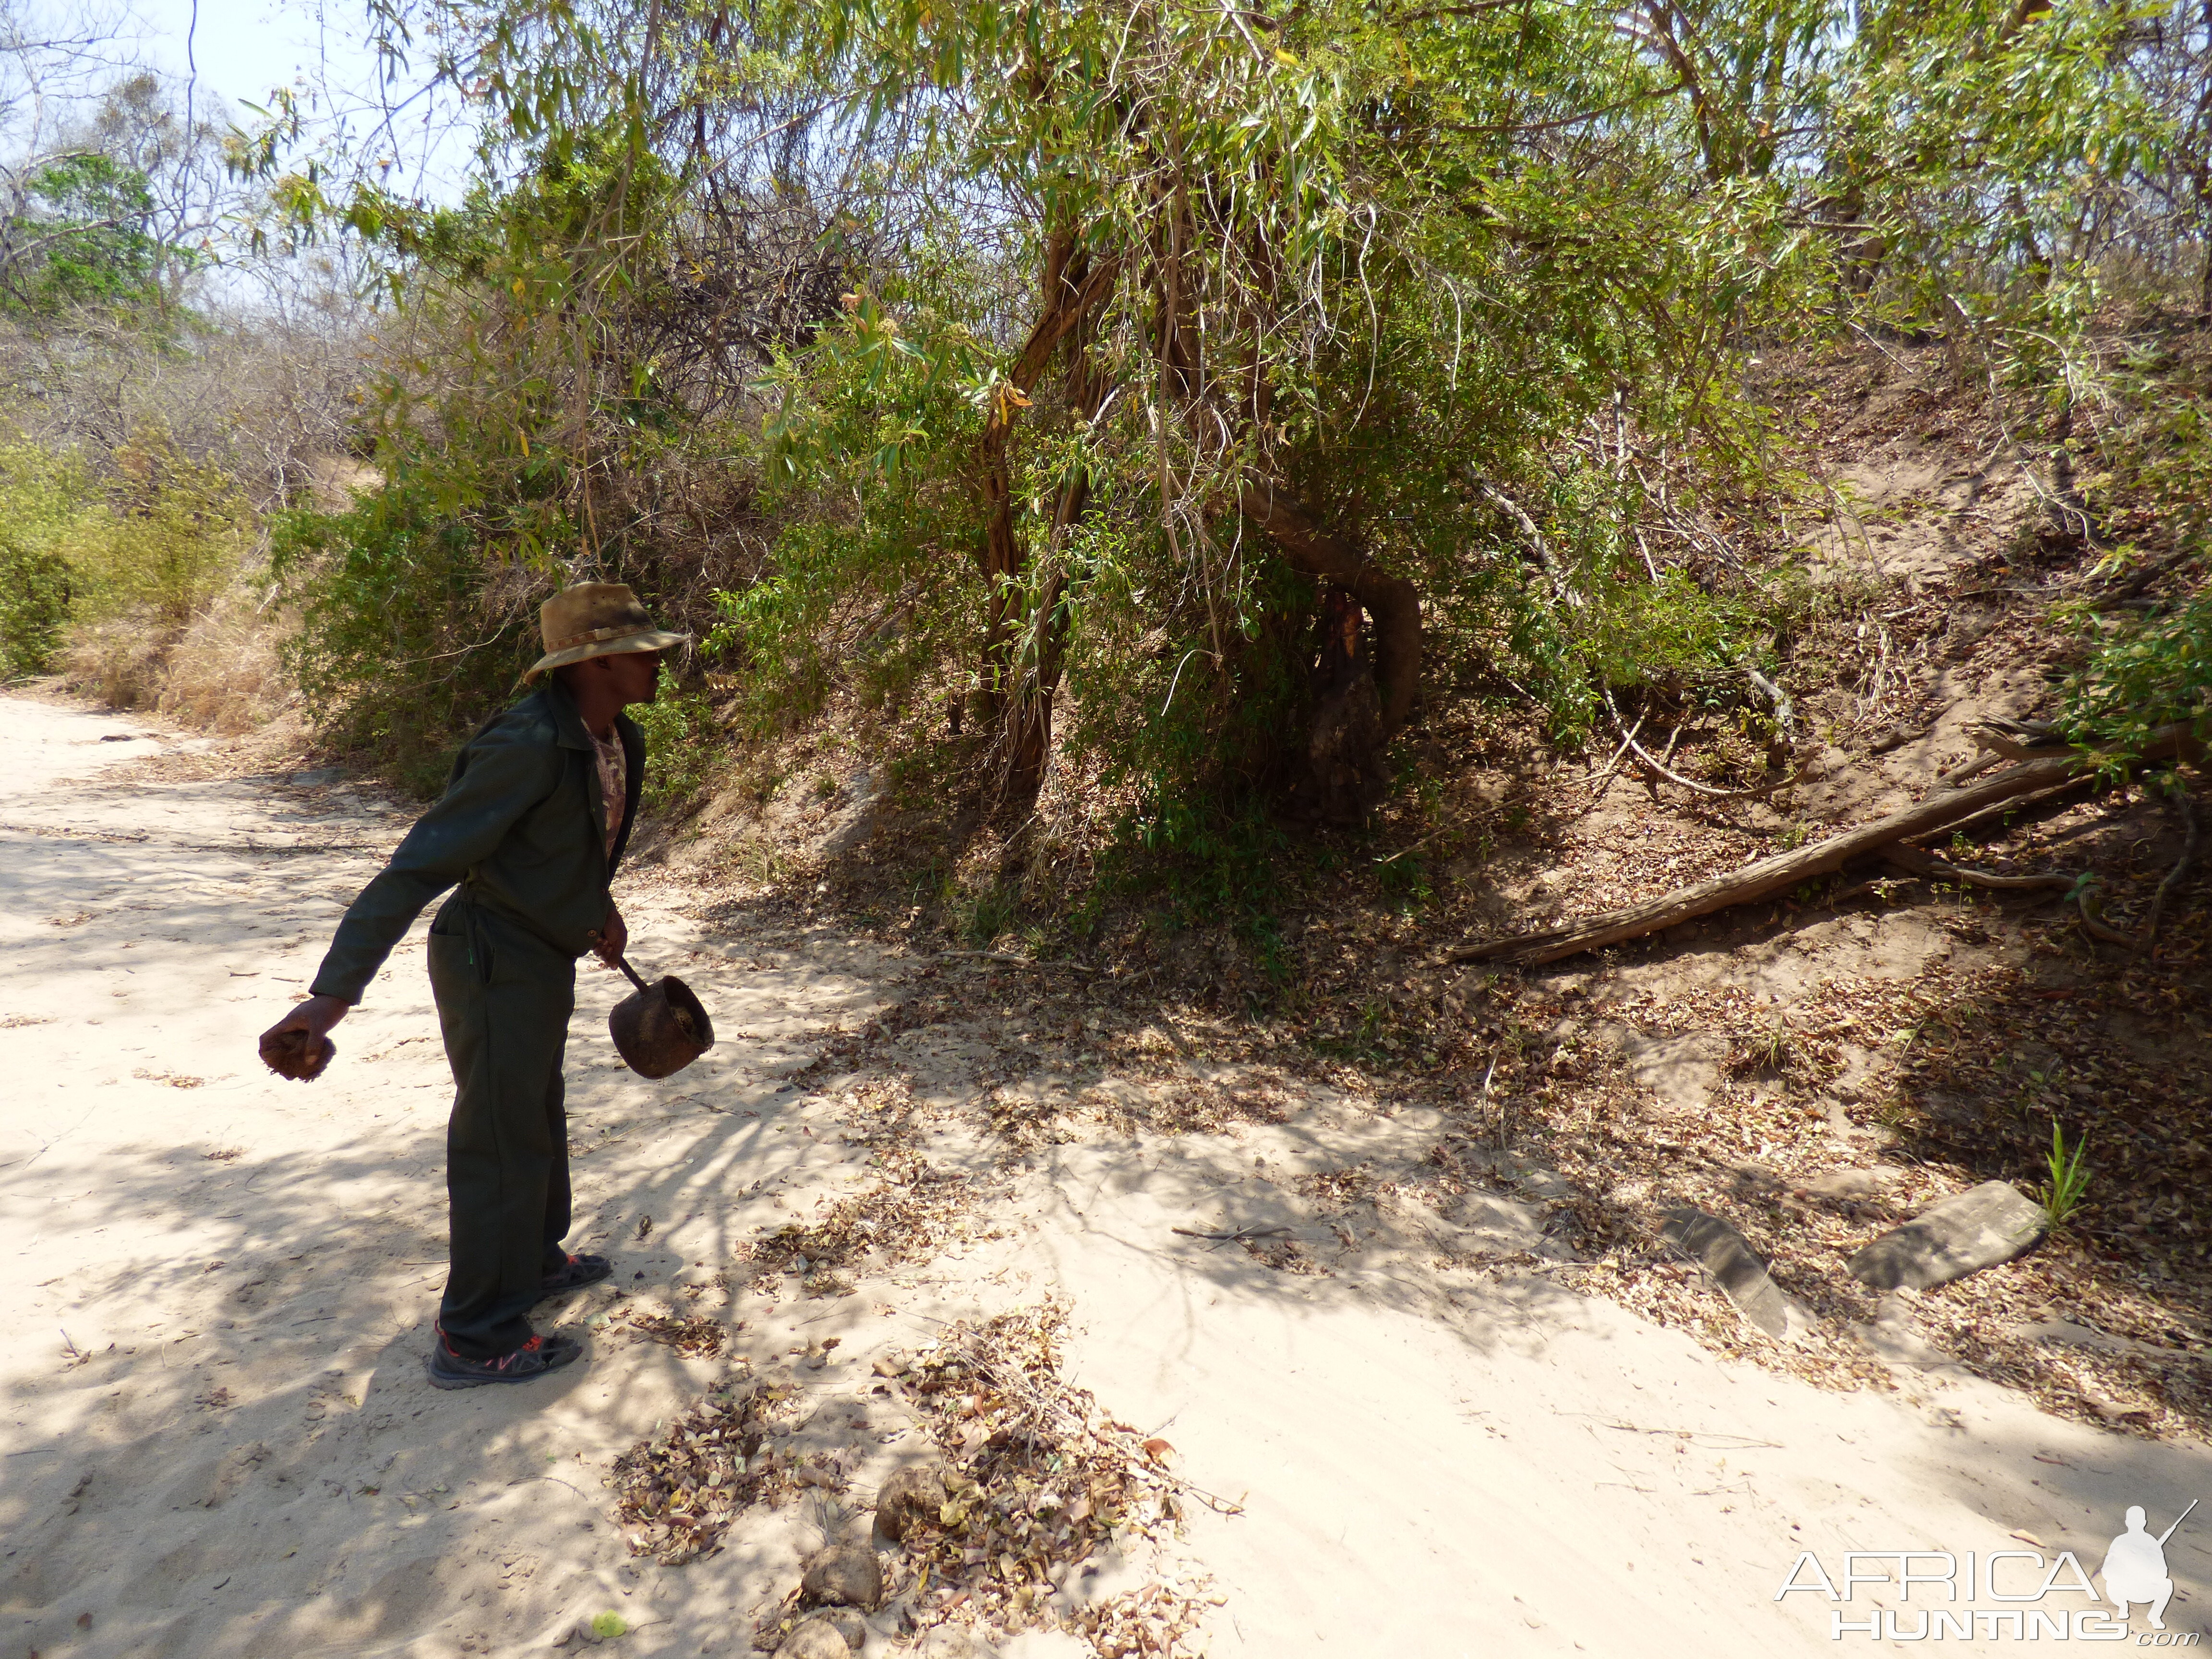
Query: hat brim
[{"x": 651, "y": 639}]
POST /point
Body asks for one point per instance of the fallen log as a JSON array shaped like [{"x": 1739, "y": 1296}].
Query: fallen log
[{"x": 1941, "y": 810}]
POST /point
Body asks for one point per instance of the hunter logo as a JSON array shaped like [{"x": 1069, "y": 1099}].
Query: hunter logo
[{"x": 2018, "y": 1584}]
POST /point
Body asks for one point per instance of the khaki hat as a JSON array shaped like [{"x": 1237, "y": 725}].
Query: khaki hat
[{"x": 596, "y": 619}]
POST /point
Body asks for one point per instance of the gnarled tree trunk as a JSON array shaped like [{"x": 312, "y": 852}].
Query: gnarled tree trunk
[
  {"x": 1392, "y": 602},
  {"x": 1017, "y": 692}
]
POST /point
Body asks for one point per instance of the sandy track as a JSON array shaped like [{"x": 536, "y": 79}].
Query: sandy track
[{"x": 219, "y": 1441}]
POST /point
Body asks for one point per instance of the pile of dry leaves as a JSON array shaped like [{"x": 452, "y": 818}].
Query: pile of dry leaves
[
  {"x": 1036, "y": 1481},
  {"x": 909, "y": 1217},
  {"x": 676, "y": 1495}
]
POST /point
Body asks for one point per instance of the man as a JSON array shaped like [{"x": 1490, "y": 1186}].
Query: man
[
  {"x": 2135, "y": 1568},
  {"x": 531, "y": 828}
]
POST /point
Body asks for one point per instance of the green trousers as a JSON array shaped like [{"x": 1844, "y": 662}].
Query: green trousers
[{"x": 504, "y": 998}]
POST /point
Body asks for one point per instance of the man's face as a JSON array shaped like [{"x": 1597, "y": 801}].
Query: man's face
[{"x": 634, "y": 676}]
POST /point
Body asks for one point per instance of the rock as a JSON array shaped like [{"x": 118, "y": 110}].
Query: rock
[
  {"x": 1728, "y": 1256},
  {"x": 1895, "y": 1338},
  {"x": 596, "y": 1630},
  {"x": 910, "y": 1495},
  {"x": 2066, "y": 1331},
  {"x": 843, "y": 1575},
  {"x": 1849, "y": 1183},
  {"x": 814, "y": 1638},
  {"x": 847, "y": 1624},
  {"x": 1502, "y": 1226},
  {"x": 1497, "y": 1224},
  {"x": 1990, "y": 1223}
]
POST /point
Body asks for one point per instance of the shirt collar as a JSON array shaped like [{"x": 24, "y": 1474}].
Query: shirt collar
[{"x": 568, "y": 724}]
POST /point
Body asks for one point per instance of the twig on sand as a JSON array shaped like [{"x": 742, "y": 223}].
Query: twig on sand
[
  {"x": 1743, "y": 1441},
  {"x": 1243, "y": 1235},
  {"x": 1013, "y": 961}
]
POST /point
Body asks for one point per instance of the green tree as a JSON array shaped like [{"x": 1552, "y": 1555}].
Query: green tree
[{"x": 82, "y": 239}]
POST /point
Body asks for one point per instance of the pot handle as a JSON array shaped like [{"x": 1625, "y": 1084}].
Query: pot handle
[{"x": 622, "y": 963}]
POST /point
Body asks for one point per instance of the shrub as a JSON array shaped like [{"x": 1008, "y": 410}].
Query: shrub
[
  {"x": 47, "y": 510},
  {"x": 2145, "y": 674},
  {"x": 409, "y": 632},
  {"x": 177, "y": 534},
  {"x": 680, "y": 746}
]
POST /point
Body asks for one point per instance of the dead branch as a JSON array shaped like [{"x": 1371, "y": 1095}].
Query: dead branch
[
  {"x": 1597, "y": 789},
  {"x": 2095, "y": 926},
  {"x": 1786, "y": 870},
  {"x": 1628, "y": 739},
  {"x": 1925, "y": 864},
  {"x": 2186, "y": 808},
  {"x": 1562, "y": 590}
]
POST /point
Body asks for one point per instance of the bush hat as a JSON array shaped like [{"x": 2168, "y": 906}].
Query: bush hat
[{"x": 596, "y": 619}]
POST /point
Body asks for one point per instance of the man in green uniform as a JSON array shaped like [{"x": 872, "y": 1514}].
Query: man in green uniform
[{"x": 530, "y": 830}]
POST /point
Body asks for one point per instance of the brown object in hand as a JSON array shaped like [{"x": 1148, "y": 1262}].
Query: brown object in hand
[
  {"x": 661, "y": 1028},
  {"x": 297, "y": 1054}
]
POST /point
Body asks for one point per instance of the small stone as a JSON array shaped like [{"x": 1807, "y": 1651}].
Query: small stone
[
  {"x": 814, "y": 1638},
  {"x": 843, "y": 1575},
  {"x": 1540, "y": 1182},
  {"x": 1980, "y": 1228},
  {"x": 910, "y": 1495},
  {"x": 1728, "y": 1256},
  {"x": 1497, "y": 1224},
  {"x": 1849, "y": 1183}
]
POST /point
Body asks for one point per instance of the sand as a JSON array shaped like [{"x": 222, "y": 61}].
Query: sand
[{"x": 218, "y": 1440}]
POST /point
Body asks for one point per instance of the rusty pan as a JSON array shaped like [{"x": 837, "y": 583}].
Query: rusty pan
[{"x": 661, "y": 1028}]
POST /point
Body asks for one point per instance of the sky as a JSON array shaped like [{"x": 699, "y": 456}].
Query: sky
[{"x": 232, "y": 51}]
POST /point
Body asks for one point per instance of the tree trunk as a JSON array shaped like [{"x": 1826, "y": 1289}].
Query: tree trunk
[
  {"x": 1028, "y": 710},
  {"x": 1074, "y": 289},
  {"x": 1019, "y": 693},
  {"x": 1392, "y": 601}
]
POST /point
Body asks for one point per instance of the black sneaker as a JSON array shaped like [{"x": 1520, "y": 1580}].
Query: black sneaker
[
  {"x": 578, "y": 1271},
  {"x": 527, "y": 1363}
]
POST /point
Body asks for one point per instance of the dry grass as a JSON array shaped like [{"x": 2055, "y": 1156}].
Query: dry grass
[{"x": 221, "y": 672}]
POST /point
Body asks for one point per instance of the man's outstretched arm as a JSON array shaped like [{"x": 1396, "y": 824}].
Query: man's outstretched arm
[{"x": 501, "y": 778}]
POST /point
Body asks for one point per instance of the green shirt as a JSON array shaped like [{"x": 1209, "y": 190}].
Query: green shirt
[{"x": 520, "y": 825}]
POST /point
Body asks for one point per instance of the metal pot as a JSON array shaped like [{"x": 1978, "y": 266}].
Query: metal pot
[{"x": 661, "y": 1028}]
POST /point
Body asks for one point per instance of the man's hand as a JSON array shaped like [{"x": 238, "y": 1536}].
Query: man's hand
[
  {"x": 299, "y": 1046},
  {"x": 613, "y": 937}
]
